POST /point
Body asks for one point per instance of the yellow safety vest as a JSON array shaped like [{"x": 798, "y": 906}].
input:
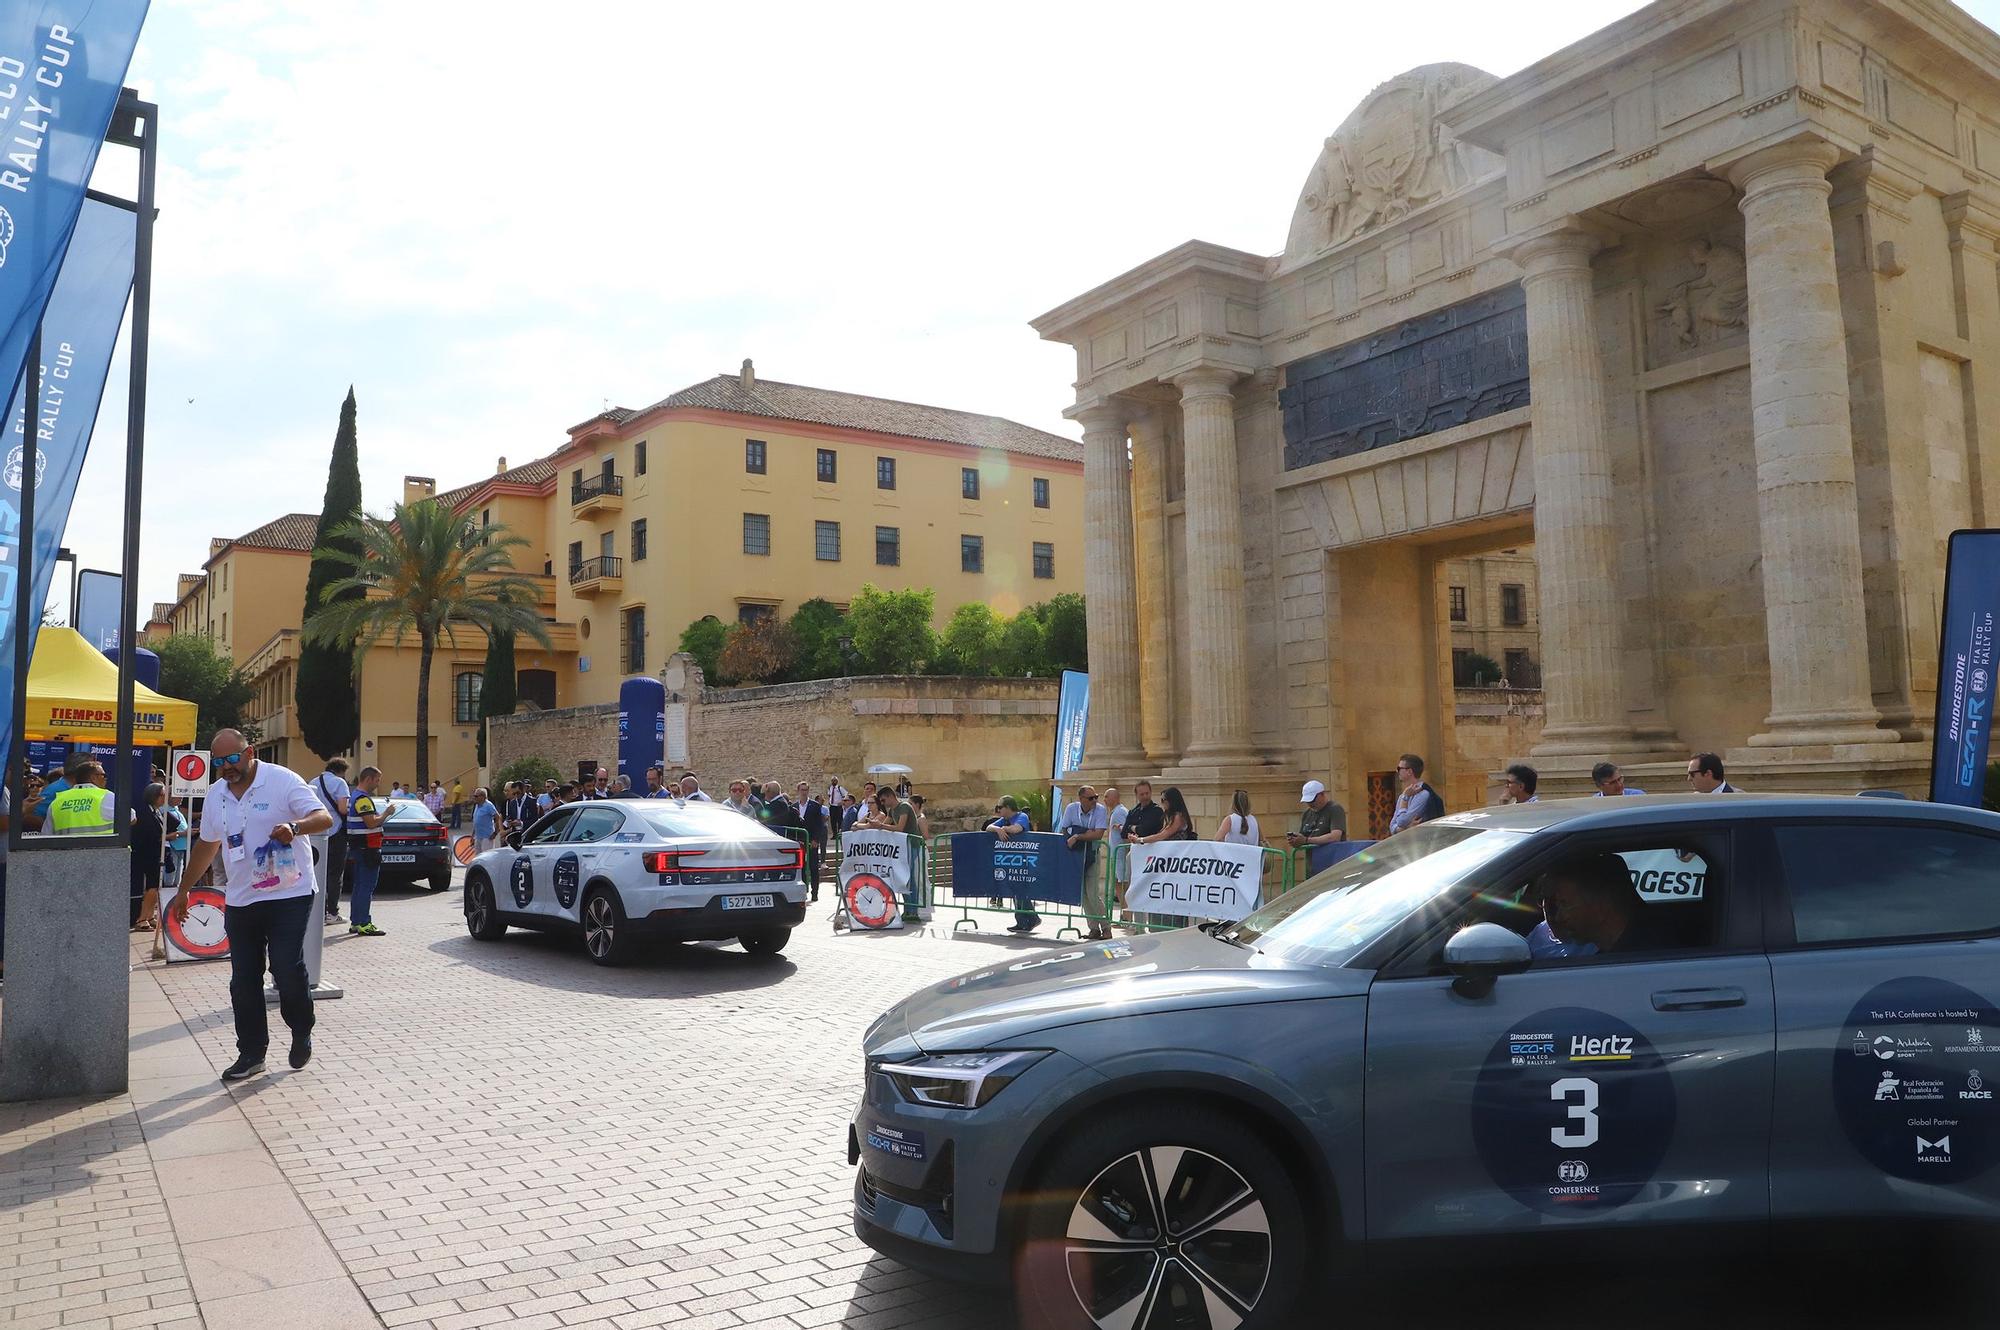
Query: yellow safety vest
[{"x": 79, "y": 811}]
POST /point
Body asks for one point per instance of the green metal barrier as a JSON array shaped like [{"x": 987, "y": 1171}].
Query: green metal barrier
[{"x": 1066, "y": 919}]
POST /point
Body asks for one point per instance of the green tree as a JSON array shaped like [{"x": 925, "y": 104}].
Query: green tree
[
  {"x": 1024, "y": 645},
  {"x": 970, "y": 642},
  {"x": 195, "y": 669},
  {"x": 1066, "y": 640},
  {"x": 328, "y": 706},
  {"x": 426, "y": 571},
  {"x": 757, "y": 652},
  {"x": 537, "y": 771},
  {"x": 817, "y": 628},
  {"x": 704, "y": 639},
  {"x": 1476, "y": 670},
  {"x": 498, "y": 692},
  {"x": 891, "y": 630}
]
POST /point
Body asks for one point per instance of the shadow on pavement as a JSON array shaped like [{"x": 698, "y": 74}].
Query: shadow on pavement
[{"x": 657, "y": 970}]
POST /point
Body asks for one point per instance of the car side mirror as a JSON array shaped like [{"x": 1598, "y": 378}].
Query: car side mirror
[
  {"x": 513, "y": 840},
  {"x": 1479, "y": 954}
]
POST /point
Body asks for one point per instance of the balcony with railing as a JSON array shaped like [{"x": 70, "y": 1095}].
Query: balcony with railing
[
  {"x": 602, "y": 493},
  {"x": 602, "y": 576}
]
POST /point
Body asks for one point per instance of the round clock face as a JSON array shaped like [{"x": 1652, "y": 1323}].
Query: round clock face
[
  {"x": 870, "y": 901},
  {"x": 200, "y": 934}
]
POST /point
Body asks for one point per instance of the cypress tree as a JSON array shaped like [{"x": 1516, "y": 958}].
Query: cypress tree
[
  {"x": 497, "y": 692},
  {"x": 328, "y": 709}
]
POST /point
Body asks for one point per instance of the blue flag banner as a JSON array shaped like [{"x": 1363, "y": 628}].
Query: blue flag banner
[
  {"x": 78, "y": 335},
  {"x": 1964, "y": 729},
  {"x": 62, "y": 63},
  {"x": 1319, "y": 858},
  {"x": 1072, "y": 715},
  {"x": 642, "y": 727},
  {"x": 99, "y": 597},
  {"x": 1039, "y": 866}
]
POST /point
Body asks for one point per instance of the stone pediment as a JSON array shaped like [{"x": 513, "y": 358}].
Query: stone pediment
[{"x": 1392, "y": 155}]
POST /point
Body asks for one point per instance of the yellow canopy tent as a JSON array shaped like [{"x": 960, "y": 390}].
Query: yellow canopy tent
[{"x": 73, "y": 694}]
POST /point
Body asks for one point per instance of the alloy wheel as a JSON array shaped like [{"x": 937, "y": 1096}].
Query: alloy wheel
[
  {"x": 1168, "y": 1238},
  {"x": 600, "y": 926},
  {"x": 477, "y": 896}
]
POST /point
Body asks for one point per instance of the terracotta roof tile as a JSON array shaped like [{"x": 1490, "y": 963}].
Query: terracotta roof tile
[
  {"x": 882, "y": 415},
  {"x": 528, "y": 473},
  {"x": 293, "y": 531}
]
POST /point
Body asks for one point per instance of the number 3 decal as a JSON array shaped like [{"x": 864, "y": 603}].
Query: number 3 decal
[{"x": 1583, "y": 1111}]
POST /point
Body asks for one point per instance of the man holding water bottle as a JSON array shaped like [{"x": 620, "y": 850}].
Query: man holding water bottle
[{"x": 253, "y": 816}]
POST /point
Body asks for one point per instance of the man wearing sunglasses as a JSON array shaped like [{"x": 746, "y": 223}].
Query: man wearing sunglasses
[{"x": 252, "y": 817}]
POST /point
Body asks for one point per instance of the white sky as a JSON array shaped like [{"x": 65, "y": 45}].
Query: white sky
[{"x": 494, "y": 219}]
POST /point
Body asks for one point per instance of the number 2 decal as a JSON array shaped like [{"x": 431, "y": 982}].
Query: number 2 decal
[{"x": 1583, "y": 1110}]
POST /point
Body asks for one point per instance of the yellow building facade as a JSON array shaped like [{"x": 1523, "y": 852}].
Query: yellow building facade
[
  {"x": 740, "y": 497},
  {"x": 733, "y": 498}
]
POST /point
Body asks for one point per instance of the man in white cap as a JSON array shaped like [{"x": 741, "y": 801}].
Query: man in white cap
[{"x": 1323, "y": 822}]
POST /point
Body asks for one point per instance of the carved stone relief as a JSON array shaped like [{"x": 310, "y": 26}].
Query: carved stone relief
[
  {"x": 1392, "y": 155},
  {"x": 1710, "y": 301}
]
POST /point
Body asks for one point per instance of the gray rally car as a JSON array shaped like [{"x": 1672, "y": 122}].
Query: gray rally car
[{"x": 1621, "y": 1015}]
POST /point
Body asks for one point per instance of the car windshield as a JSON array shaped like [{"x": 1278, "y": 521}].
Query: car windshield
[
  {"x": 669, "y": 818},
  {"x": 405, "y": 810},
  {"x": 1330, "y": 917}
]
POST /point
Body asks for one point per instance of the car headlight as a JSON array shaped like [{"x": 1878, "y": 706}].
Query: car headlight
[{"x": 958, "y": 1080}]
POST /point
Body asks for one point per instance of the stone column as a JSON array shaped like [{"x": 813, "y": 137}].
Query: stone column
[
  {"x": 1217, "y": 635},
  {"x": 1575, "y": 542},
  {"x": 1814, "y": 618},
  {"x": 1149, "y": 546},
  {"x": 1112, "y": 599}
]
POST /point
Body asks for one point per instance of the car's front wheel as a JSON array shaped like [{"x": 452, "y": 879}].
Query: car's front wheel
[
  {"x": 605, "y": 934},
  {"x": 482, "y": 913},
  {"x": 1162, "y": 1217},
  {"x": 766, "y": 941}
]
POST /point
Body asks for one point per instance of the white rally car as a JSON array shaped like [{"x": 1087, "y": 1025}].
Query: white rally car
[{"x": 622, "y": 870}]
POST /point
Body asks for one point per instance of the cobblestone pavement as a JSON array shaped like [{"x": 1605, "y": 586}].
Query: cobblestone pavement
[{"x": 502, "y": 1134}]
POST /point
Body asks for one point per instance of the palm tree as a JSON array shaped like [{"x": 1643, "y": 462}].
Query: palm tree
[{"x": 425, "y": 570}]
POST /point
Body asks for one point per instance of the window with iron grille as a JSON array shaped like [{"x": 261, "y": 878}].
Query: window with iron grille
[
  {"x": 639, "y": 458},
  {"x": 829, "y": 465},
  {"x": 968, "y": 481},
  {"x": 885, "y": 473},
  {"x": 1041, "y": 491},
  {"x": 1458, "y": 604},
  {"x": 635, "y": 640},
  {"x": 972, "y": 554},
  {"x": 888, "y": 546},
  {"x": 753, "y": 456},
  {"x": 753, "y": 613},
  {"x": 826, "y": 542},
  {"x": 756, "y": 533},
  {"x": 465, "y": 697},
  {"x": 1045, "y": 559},
  {"x": 638, "y": 539},
  {"x": 1513, "y": 605},
  {"x": 575, "y": 555}
]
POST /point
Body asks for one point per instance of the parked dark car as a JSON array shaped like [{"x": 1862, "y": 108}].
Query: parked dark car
[{"x": 416, "y": 847}]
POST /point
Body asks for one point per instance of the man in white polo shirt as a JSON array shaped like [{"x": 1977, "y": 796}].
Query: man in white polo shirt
[{"x": 253, "y": 815}]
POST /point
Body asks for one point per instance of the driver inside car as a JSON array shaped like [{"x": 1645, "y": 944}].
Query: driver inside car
[{"x": 1589, "y": 901}]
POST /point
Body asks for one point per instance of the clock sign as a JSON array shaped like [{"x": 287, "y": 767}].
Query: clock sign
[
  {"x": 521, "y": 880},
  {"x": 568, "y": 875},
  {"x": 199, "y": 936},
  {"x": 870, "y": 903}
]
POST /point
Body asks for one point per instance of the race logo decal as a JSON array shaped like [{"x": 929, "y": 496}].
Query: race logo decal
[
  {"x": 870, "y": 901},
  {"x": 1573, "y": 1111},
  {"x": 1911, "y": 1080},
  {"x": 568, "y": 875},
  {"x": 521, "y": 879}
]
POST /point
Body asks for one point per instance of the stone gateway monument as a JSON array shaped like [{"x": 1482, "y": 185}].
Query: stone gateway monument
[{"x": 1705, "y": 309}]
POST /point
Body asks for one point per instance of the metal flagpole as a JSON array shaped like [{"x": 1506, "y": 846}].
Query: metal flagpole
[{"x": 135, "y": 124}]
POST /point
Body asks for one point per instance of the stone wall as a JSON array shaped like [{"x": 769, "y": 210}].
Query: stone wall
[
  {"x": 967, "y": 740},
  {"x": 1493, "y": 727}
]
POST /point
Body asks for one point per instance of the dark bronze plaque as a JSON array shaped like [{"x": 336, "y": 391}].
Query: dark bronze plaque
[{"x": 1461, "y": 363}]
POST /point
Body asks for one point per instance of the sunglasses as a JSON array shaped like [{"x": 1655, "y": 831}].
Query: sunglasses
[{"x": 234, "y": 759}]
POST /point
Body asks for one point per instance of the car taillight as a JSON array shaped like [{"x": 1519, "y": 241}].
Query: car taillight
[{"x": 668, "y": 861}]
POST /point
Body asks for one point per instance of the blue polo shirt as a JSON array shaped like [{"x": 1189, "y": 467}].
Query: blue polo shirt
[{"x": 485, "y": 820}]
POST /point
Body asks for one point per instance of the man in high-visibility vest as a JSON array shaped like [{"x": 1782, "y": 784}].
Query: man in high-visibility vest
[{"x": 85, "y": 808}]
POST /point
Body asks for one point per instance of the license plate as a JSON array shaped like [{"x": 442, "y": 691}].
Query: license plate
[
  {"x": 746, "y": 902},
  {"x": 399, "y": 858}
]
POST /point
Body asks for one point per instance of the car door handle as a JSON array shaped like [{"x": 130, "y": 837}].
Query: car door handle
[{"x": 1697, "y": 999}]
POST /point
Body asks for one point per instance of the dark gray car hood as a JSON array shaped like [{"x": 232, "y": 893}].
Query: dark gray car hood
[{"x": 1089, "y": 981}]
